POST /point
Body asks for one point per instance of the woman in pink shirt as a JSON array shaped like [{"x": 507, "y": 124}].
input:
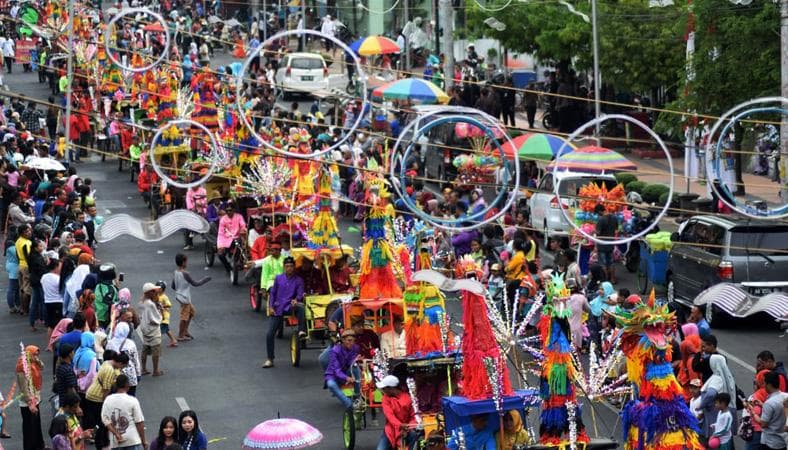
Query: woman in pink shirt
[
  {"x": 231, "y": 226},
  {"x": 195, "y": 201}
]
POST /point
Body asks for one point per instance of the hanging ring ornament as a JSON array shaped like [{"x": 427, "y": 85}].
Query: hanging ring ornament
[
  {"x": 255, "y": 54},
  {"x": 557, "y": 183},
  {"x": 492, "y": 10},
  {"x": 450, "y": 224},
  {"x": 212, "y": 158},
  {"x": 489, "y": 134},
  {"x": 713, "y": 155},
  {"x": 125, "y": 12},
  {"x": 371, "y": 11}
]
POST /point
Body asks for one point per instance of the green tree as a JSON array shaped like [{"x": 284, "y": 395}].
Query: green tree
[
  {"x": 737, "y": 57},
  {"x": 640, "y": 47}
]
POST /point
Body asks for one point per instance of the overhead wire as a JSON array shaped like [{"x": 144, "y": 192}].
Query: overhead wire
[{"x": 384, "y": 136}]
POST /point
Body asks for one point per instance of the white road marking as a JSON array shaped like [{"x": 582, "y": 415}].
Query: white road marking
[
  {"x": 182, "y": 403},
  {"x": 160, "y": 252},
  {"x": 738, "y": 361}
]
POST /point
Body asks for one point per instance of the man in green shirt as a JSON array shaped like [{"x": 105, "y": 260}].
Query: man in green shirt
[{"x": 271, "y": 266}]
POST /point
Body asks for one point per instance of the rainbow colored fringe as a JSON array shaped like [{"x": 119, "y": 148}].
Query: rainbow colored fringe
[
  {"x": 377, "y": 278},
  {"x": 324, "y": 232},
  {"x": 555, "y": 383}
]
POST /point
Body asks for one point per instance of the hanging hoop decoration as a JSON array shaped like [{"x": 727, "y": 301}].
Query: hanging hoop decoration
[
  {"x": 557, "y": 183},
  {"x": 372, "y": 11},
  {"x": 255, "y": 54},
  {"x": 453, "y": 225},
  {"x": 213, "y": 155},
  {"x": 714, "y": 153},
  {"x": 125, "y": 12},
  {"x": 492, "y": 10}
]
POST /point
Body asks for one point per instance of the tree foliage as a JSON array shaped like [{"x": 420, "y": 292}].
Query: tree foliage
[
  {"x": 737, "y": 57},
  {"x": 639, "y": 47}
]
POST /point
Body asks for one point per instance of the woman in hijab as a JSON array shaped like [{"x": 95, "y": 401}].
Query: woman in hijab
[
  {"x": 29, "y": 380},
  {"x": 720, "y": 381},
  {"x": 756, "y": 400},
  {"x": 689, "y": 347},
  {"x": 690, "y": 329},
  {"x": 598, "y": 306},
  {"x": 121, "y": 343},
  {"x": 88, "y": 310},
  {"x": 86, "y": 362},
  {"x": 60, "y": 329},
  {"x": 514, "y": 431}
]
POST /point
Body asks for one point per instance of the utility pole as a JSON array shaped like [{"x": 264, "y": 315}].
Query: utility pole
[
  {"x": 448, "y": 42},
  {"x": 597, "y": 80},
  {"x": 71, "y": 80},
  {"x": 436, "y": 23},
  {"x": 784, "y": 93},
  {"x": 407, "y": 38}
]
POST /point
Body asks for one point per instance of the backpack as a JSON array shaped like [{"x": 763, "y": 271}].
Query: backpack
[{"x": 107, "y": 294}]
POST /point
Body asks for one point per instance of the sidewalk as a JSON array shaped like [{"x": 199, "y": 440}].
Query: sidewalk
[{"x": 758, "y": 188}]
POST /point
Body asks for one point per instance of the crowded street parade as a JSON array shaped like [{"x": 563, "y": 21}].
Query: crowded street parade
[{"x": 394, "y": 224}]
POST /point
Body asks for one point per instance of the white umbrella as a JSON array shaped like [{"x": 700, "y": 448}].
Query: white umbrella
[{"x": 45, "y": 164}]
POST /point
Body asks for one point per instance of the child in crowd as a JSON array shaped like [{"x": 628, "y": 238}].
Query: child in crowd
[
  {"x": 722, "y": 427},
  {"x": 696, "y": 400},
  {"x": 165, "y": 305}
]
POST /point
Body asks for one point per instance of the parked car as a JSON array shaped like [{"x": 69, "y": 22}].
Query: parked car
[
  {"x": 751, "y": 255},
  {"x": 544, "y": 204},
  {"x": 302, "y": 72}
]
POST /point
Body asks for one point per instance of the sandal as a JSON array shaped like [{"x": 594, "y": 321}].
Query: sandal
[
  {"x": 145, "y": 372},
  {"x": 172, "y": 344},
  {"x": 5, "y": 436}
]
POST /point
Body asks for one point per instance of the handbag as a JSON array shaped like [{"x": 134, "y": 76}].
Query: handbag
[{"x": 746, "y": 429}]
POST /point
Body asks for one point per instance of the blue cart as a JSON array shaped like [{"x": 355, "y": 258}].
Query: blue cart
[
  {"x": 457, "y": 412},
  {"x": 653, "y": 267}
]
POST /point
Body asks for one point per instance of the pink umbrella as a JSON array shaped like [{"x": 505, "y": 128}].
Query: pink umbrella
[{"x": 282, "y": 434}]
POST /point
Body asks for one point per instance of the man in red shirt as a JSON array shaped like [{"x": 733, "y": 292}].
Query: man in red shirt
[
  {"x": 145, "y": 182},
  {"x": 400, "y": 417}
]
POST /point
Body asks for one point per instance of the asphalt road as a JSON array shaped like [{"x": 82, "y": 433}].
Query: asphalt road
[{"x": 218, "y": 374}]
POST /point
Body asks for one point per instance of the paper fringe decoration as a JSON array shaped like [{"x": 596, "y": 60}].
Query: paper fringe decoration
[{"x": 478, "y": 343}]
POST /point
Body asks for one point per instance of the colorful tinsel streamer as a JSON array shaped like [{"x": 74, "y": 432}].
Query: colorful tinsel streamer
[{"x": 414, "y": 399}]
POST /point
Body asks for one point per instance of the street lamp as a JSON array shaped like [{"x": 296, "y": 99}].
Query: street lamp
[{"x": 595, "y": 39}]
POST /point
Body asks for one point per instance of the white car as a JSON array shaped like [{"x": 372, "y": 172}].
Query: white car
[
  {"x": 544, "y": 204},
  {"x": 302, "y": 72}
]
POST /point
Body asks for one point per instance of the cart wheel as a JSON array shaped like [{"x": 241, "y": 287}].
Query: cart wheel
[
  {"x": 349, "y": 429},
  {"x": 210, "y": 255},
  {"x": 254, "y": 297},
  {"x": 295, "y": 349},
  {"x": 642, "y": 279}
]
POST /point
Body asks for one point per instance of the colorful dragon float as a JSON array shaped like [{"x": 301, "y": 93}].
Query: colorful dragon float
[
  {"x": 658, "y": 418},
  {"x": 561, "y": 420}
]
